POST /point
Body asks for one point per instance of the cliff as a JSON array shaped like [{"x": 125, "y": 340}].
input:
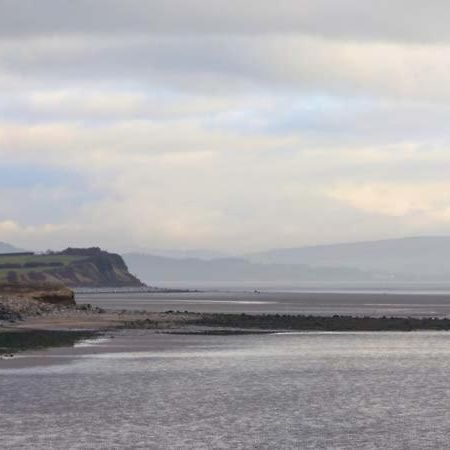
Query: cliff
[
  {"x": 56, "y": 294},
  {"x": 73, "y": 267},
  {"x": 18, "y": 300}
]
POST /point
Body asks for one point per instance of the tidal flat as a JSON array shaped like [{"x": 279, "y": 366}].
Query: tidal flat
[
  {"x": 224, "y": 313},
  {"x": 67, "y": 330}
]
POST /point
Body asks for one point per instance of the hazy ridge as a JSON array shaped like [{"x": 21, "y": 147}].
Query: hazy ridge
[
  {"x": 413, "y": 255},
  {"x": 8, "y": 248},
  {"x": 407, "y": 259}
]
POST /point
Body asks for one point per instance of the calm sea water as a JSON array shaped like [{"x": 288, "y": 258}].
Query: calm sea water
[
  {"x": 379, "y": 303},
  {"x": 280, "y": 391}
]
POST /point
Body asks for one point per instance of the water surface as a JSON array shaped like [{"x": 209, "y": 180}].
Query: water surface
[
  {"x": 303, "y": 390},
  {"x": 268, "y": 302}
]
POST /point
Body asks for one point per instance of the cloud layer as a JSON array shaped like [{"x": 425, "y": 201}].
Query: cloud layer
[{"x": 222, "y": 124}]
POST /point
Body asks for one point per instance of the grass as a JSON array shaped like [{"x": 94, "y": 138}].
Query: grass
[
  {"x": 23, "y": 259},
  {"x": 45, "y": 260}
]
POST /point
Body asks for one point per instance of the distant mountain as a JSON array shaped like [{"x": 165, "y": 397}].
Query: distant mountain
[
  {"x": 422, "y": 256},
  {"x": 153, "y": 269},
  {"x": 8, "y": 248}
]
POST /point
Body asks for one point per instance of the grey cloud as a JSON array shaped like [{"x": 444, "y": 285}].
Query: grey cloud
[
  {"x": 413, "y": 20},
  {"x": 233, "y": 64},
  {"x": 225, "y": 123}
]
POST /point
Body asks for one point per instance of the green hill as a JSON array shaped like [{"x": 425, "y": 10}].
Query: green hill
[{"x": 74, "y": 267}]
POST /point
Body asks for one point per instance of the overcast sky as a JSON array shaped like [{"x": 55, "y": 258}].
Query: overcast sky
[{"x": 223, "y": 124}]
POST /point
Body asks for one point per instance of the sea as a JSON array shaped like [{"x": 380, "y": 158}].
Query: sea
[
  {"x": 305, "y": 390},
  {"x": 394, "y": 299}
]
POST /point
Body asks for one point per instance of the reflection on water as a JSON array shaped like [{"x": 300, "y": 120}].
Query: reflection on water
[
  {"x": 34, "y": 339},
  {"x": 302, "y": 390}
]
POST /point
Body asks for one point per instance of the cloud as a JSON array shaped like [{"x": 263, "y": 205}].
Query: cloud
[
  {"x": 421, "y": 201},
  {"x": 220, "y": 65},
  {"x": 348, "y": 19},
  {"x": 184, "y": 183},
  {"x": 222, "y": 124}
]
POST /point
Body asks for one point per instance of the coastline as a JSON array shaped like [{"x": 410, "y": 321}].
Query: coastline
[
  {"x": 29, "y": 321},
  {"x": 66, "y": 326}
]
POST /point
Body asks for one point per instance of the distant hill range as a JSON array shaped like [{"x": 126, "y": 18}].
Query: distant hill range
[
  {"x": 74, "y": 267},
  {"x": 429, "y": 256},
  {"x": 408, "y": 259},
  {"x": 8, "y": 248},
  {"x": 156, "y": 270}
]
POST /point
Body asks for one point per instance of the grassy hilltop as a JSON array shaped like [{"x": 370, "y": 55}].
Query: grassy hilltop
[{"x": 72, "y": 267}]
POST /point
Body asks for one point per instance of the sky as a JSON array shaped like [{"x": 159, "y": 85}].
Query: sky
[{"x": 223, "y": 124}]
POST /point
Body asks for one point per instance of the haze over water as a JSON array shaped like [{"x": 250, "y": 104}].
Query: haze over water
[{"x": 304, "y": 390}]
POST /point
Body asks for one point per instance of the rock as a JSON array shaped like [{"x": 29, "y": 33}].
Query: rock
[
  {"x": 52, "y": 293},
  {"x": 8, "y": 315},
  {"x": 60, "y": 296}
]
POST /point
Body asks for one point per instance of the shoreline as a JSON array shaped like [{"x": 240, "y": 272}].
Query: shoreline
[{"x": 66, "y": 327}]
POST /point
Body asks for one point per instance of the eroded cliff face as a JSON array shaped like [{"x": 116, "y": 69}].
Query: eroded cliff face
[
  {"x": 73, "y": 267},
  {"x": 57, "y": 296},
  {"x": 17, "y": 299}
]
